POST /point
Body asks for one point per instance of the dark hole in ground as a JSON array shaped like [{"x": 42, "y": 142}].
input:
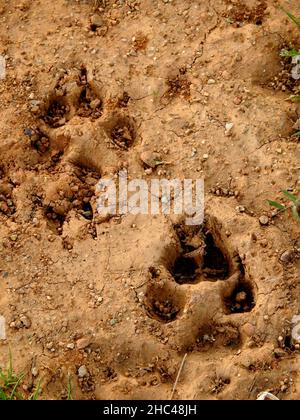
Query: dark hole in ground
[
  {"x": 56, "y": 112},
  {"x": 184, "y": 270},
  {"x": 56, "y": 157},
  {"x": 215, "y": 264},
  {"x": 87, "y": 211},
  {"x": 195, "y": 262},
  {"x": 154, "y": 272},
  {"x": 241, "y": 300},
  {"x": 163, "y": 309},
  {"x": 89, "y": 104}
]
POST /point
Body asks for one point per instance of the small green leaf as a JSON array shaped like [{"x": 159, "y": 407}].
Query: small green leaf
[
  {"x": 290, "y": 196},
  {"x": 276, "y": 204},
  {"x": 296, "y": 214},
  {"x": 290, "y": 53},
  {"x": 297, "y": 135}
]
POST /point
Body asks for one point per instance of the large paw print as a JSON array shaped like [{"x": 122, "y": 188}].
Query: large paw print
[{"x": 201, "y": 290}]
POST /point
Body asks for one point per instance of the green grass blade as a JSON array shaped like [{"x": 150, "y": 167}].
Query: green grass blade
[
  {"x": 35, "y": 395},
  {"x": 3, "y": 396},
  {"x": 14, "y": 390},
  {"x": 297, "y": 135},
  {"x": 276, "y": 204},
  {"x": 292, "y": 17},
  {"x": 290, "y": 196},
  {"x": 296, "y": 214}
]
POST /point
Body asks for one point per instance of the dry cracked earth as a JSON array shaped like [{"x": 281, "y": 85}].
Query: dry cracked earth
[{"x": 113, "y": 304}]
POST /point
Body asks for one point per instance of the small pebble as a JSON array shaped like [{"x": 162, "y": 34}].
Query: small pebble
[
  {"x": 82, "y": 372},
  {"x": 264, "y": 220}
]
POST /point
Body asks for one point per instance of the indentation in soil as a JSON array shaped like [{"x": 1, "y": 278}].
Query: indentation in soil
[
  {"x": 38, "y": 141},
  {"x": 242, "y": 299},
  {"x": 201, "y": 259},
  {"x": 121, "y": 131},
  {"x": 56, "y": 112},
  {"x": 90, "y": 105},
  {"x": 55, "y": 220},
  {"x": 163, "y": 301}
]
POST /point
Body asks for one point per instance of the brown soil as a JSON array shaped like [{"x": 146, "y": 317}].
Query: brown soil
[{"x": 88, "y": 90}]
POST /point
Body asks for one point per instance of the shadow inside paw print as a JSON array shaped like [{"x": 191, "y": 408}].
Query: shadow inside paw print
[{"x": 202, "y": 257}]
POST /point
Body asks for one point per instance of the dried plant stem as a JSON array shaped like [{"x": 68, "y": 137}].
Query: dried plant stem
[{"x": 178, "y": 375}]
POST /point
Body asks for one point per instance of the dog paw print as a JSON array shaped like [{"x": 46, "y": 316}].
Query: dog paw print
[
  {"x": 79, "y": 135},
  {"x": 197, "y": 293}
]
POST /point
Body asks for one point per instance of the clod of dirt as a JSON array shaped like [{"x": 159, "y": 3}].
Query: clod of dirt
[
  {"x": 96, "y": 22},
  {"x": 22, "y": 321},
  {"x": 264, "y": 220},
  {"x": 287, "y": 256}
]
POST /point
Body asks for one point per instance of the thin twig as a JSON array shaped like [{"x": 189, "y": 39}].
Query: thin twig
[{"x": 178, "y": 376}]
